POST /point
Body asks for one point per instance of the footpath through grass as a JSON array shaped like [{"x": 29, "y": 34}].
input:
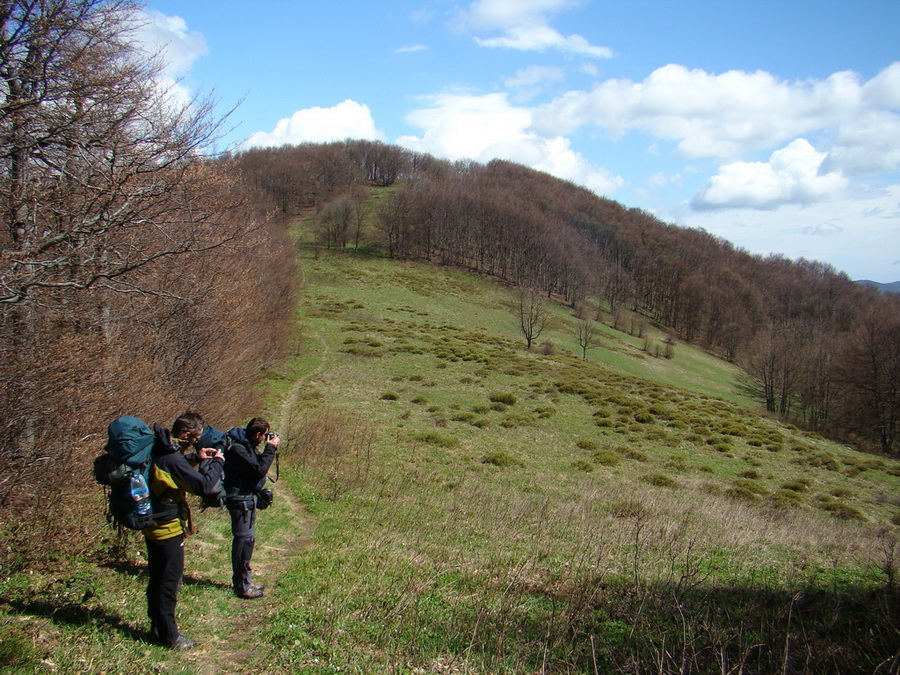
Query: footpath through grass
[{"x": 483, "y": 509}]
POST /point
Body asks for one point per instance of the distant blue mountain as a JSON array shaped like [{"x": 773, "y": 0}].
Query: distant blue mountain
[{"x": 893, "y": 287}]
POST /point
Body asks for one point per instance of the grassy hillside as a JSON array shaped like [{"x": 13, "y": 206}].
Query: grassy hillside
[{"x": 450, "y": 503}]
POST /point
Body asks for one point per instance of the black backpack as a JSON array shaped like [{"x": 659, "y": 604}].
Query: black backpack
[
  {"x": 213, "y": 438},
  {"x": 124, "y": 468}
]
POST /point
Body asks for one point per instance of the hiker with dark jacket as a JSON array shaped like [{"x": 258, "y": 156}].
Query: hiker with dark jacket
[
  {"x": 172, "y": 477},
  {"x": 245, "y": 477}
]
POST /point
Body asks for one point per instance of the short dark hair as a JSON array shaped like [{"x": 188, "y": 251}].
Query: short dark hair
[
  {"x": 191, "y": 422},
  {"x": 257, "y": 426}
]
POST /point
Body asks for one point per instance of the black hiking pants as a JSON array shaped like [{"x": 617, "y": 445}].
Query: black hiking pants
[
  {"x": 165, "y": 564},
  {"x": 243, "y": 531}
]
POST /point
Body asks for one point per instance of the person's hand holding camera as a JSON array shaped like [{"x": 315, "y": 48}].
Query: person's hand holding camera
[
  {"x": 210, "y": 453},
  {"x": 273, "y": 439}
]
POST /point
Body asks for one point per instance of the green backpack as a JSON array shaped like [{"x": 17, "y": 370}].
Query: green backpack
[{"x": 124, "y": 468}]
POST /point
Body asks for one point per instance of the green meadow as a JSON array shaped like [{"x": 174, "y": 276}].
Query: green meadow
[
  {"x": 481, "y": 508},
  {"x": 449, "y": 502}
]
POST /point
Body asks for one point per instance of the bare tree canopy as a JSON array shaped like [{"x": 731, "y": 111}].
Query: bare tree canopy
[
  {"x": 96, "y": 157},
  {"x": 127, "y": 280}
]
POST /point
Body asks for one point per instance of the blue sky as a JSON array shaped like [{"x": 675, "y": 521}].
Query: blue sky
[{"x": 775, "y": 125}]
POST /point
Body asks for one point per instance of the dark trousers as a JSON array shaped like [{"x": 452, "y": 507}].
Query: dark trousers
[
  {"x": 243, "y": 531},
  {"x": 166, "y": 567}
]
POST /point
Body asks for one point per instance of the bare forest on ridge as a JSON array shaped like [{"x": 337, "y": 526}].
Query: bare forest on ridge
[
  {"x": 817, "y": 348},
  {"x": 138, "y": 272}
]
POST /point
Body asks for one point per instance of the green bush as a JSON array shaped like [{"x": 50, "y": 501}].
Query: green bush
[
  {"x": 501, "y": 458},
  {"x": 797, "y": 485},
  {"x": 741, "y": 493},
  {"x": 840, "y": 510},
  {"x": 390, "y": 396},
  {"x": 660, "y": 480},
  {"x": 500, "y": 397},
  {"x": 751, "y": 485},
  {"x": 643, "y": 417},
  {"x": 434, "y": 438},
  {"x": 785, "y": 498},
  {"x": 590, "y": 446},
  {"x": 584, "y": 465},
  {"x": 606, "y": 458},
  {"x": 520, "y": 420}
]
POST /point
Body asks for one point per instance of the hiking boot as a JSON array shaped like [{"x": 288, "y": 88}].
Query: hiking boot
[
  {"x": 250, "y": 592},
  {"x": 181, "y": 641}
]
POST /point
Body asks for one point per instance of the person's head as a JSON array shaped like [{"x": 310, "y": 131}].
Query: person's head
[
  {"x": 187, "y": 428},
  {"x": 257, "y": 428}
]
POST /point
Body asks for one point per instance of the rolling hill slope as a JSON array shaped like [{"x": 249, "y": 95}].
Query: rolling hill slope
[
  {"x": 451, "y": 503},
  {"x": 498, "y": 509}
]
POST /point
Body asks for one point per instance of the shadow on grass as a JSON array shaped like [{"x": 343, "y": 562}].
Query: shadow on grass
[
  {"x": 134, "y": 569},
  {"x": 60, "y": 608},
  {"x": 666, "y": 629},
  {"x": 76, "y": 614}
]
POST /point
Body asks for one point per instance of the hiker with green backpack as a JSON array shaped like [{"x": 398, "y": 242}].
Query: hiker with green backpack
[
  {"x": 172, "y": 477},
  {"x": 148, "y": 477}
]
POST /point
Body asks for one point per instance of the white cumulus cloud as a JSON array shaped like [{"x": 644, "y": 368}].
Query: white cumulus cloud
[
  {"x": 482, "y": 128},
  {"x": 169, "y": 36},
  {"x": 524, "y": 25},
  {"x": 791, "y": 176},
  {"x": 348, "y": 119},
  {"x": 730, "y": 114}
]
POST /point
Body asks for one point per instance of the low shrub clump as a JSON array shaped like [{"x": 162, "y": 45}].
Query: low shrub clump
[
  {"x": 504, "y": 398},
  {"x": 434, "y": 438},
  {"x": 660, "y": 480},
  {"x": 797, "y": 485},
  {"x": 605, "y": 457},
  {"x": 502, "y": 459}
]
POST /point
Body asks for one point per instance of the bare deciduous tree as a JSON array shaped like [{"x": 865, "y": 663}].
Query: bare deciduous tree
[
  {"x": 587, "y": 335},
  {"x": 533, "y": 313},
  {"x": 94, "y": 154}
]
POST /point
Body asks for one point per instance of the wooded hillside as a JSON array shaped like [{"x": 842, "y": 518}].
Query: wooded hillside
[{"x": 817, "y": 348}]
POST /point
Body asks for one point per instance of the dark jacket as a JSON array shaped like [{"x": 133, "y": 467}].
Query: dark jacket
[
  {"x": 245, "y": 466},
  {"x": 172, "y": 478}
]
